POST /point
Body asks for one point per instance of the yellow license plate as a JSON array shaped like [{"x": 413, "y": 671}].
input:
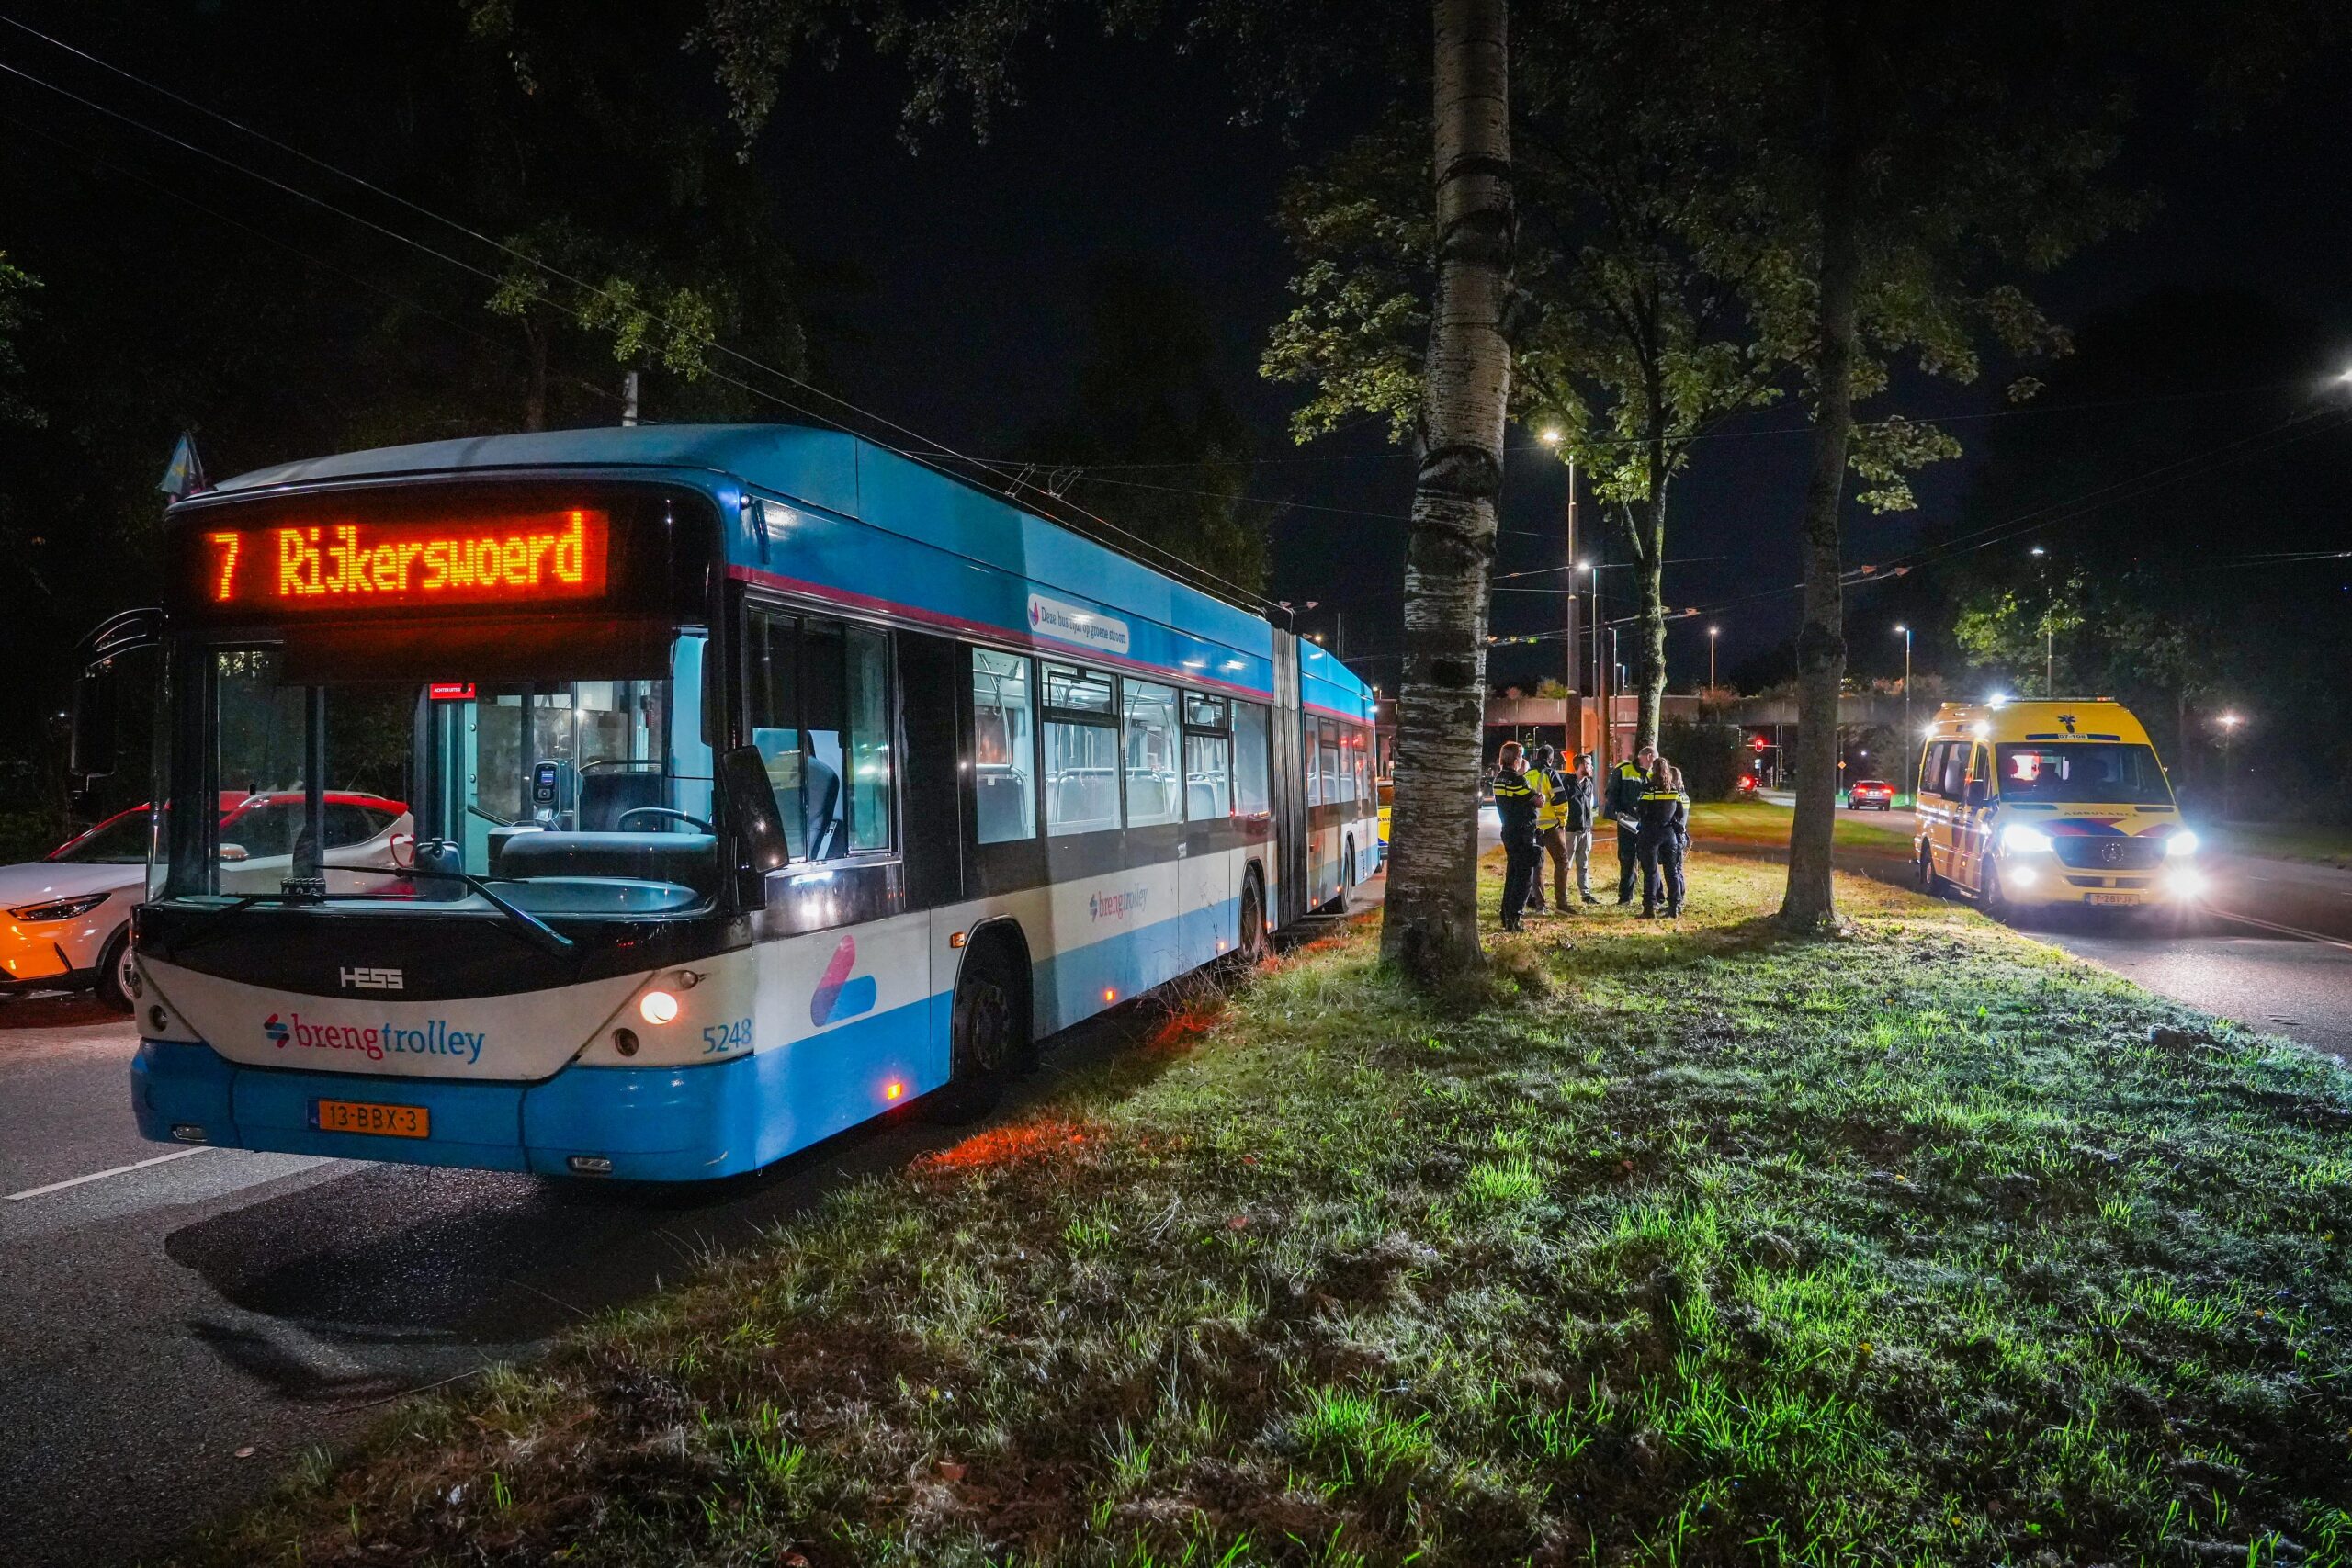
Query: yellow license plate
[
  {"x": 2113, "y": 899},
  {"x": 383, "y": 1121}
]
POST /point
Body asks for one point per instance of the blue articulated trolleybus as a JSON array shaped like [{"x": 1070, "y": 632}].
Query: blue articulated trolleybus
[{"x": 653, "y": 803}]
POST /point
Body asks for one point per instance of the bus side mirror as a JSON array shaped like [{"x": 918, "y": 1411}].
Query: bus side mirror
[
  {"x": 96, "y": 705},
  {"x": 758, "y": 822}
]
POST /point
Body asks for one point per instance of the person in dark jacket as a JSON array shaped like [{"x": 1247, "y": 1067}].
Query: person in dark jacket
[
  {"x": 1622, "y": 805},
  {"x": 1663, "y": 816},
  {"x": 1518, "y": 797},
  {"x": 1572, "y": 799}
]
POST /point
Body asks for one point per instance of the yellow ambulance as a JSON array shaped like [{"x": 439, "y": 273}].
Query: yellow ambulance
[{"x": 2031, "y": 804}]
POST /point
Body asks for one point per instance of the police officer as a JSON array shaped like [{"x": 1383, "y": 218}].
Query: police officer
[
  {"x": 1664, "y": 814},
  {"x": 1543, "y": 772},
  {"x": 1517, "y": 800},
  {"x": 1622, "y": 805}
]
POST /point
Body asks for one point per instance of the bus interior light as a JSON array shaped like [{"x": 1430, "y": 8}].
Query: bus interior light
[{"x": 657, "y": 1006}]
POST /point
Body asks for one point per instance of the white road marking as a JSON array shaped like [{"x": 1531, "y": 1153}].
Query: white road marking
[
  {"x": 2283, "y": 931},
  {"x": 102, "y": 1174}
]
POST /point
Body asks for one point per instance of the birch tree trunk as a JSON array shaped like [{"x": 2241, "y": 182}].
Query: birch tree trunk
[
  {"x": 1809, "y": 903},
  {"x": 1431, "y": 920}
]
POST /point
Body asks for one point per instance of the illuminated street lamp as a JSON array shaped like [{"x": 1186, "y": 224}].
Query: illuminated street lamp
[
  {"x": 2229, "y": 723},
  {"x": 1711, "y": 657},
  {"x": 1905, "y": 630}
]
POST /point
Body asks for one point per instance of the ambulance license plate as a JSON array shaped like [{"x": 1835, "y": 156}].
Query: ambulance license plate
[
  {"x": 2113, "y": 898},
  {"x": 382, "y": 1120}
]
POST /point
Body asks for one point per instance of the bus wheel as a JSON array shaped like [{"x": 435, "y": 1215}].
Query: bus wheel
[
  {"x": 989, "y": 1032},
  {"x": 1249, "y": 942},
  {"x": 114, "y": 972}
]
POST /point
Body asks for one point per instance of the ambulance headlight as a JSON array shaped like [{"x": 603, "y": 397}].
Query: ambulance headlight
[
  {"x": 2018, "y": 839},
  {"x": 2185, "y": 882},
  {"x": 2181, "y": 844}
]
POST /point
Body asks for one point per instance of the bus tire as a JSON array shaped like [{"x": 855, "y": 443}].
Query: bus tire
[
  {"x": 1931, "y": 881},
  {"x": 113, "y": 977},
  {"x": 989, "y": 1029},
  {"x": 1250, "y": 941}
]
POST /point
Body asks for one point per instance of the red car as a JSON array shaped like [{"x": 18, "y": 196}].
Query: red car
[{"x": 1864, "y": 794}]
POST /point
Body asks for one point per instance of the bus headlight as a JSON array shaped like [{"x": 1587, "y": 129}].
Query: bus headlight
[
  {"x": 657, "y": 1006},
  {"x": 2018, "y": 839},
  {"x": 2181, "y": 844}
]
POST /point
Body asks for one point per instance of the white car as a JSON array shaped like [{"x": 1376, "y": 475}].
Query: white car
[{"x": 68, "y": 915}]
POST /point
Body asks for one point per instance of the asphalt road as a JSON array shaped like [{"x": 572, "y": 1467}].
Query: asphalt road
[
  {"x": 2271, "y": 947},
  {"x": 176, "y": 1324}
]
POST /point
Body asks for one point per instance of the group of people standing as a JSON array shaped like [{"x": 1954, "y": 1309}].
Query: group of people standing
[{"x": 1549, "y": 811}]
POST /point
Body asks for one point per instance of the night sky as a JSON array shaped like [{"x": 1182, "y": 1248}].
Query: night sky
[
  {"x": 965, "y": 323},
  {"x": 974, "y": 254}
]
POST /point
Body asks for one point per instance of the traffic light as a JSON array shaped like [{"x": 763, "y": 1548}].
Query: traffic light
[{"x": 1756, "y": 743}]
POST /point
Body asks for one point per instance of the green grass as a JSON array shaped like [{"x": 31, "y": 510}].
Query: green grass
[
  {"x": 2287, "y": 841},
  {"x": 1662, "y": 1244},
  {"x": 1757, "y": 822}
]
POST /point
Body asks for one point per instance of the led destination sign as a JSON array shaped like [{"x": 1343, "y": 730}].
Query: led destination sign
[{"x": 509, "y": 560}]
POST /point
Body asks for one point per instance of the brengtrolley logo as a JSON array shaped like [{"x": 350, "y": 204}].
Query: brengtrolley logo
[
  {"x": 1118, "y": 906},
  {"x": 435, "y": 1037},
  {"x": 1075, "y": 623},
  {"x": 838, "y": 996}
]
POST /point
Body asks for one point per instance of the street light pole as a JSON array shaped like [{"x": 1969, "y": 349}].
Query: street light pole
[
  {"x": 1711, "y": 658},
  {"x": 2229, "y": 723},
  {"x": 2049, "y": 635},
  {"x": 1904, "y": 628}
]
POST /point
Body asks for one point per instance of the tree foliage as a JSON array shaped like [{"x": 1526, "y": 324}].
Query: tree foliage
[
  {"x": 1148, "y": 394},
  {"x": 17, "y": 287}
]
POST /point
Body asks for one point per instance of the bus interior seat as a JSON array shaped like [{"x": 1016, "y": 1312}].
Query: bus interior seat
[
  {"x": 821, "y": 799},
  {"x": 1001, "y": 796},
  {"x": 1201, "y": 801},
  {"x": 690, "y": 860},
  {"x": 605, "y": 796}
]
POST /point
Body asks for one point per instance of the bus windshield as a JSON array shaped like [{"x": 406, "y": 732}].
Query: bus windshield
[
  {"x": 560, "y": 796},
  {"x": 2091, "y": 773}
]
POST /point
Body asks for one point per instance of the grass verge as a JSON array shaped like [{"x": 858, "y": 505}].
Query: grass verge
[
  {"x": 2289, "y": 840},
  {"x": 1667, "y": 1243},
  {"x": 1757, "y": 822}
]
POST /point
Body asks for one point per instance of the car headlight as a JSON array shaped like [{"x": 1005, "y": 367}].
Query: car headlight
[
  {"x": 2017, "y": 838},
  {"x": 2181, "y": 844},
  {"x": 60, "y": 909}
]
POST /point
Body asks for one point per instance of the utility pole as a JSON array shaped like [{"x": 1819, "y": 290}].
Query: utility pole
[
  {"x": 1908, "y": 739},
  {"x": 1572, "y": 705},
  {"x": 2049, "y": 636},
  {"x": 2229, "y": 723},
  {"x": 1711, "y": 658}
]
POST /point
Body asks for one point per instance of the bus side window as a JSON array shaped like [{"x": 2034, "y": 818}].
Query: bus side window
[
  {"x": 1252, "y": 792},
  {"x": 1004, "y": 747},
  {"x": 771, "y": 656},
  {"x": 1980, "y": 773}
]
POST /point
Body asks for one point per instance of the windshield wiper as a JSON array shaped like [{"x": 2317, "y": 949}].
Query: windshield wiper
[{"x": 535, "y": 929}]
